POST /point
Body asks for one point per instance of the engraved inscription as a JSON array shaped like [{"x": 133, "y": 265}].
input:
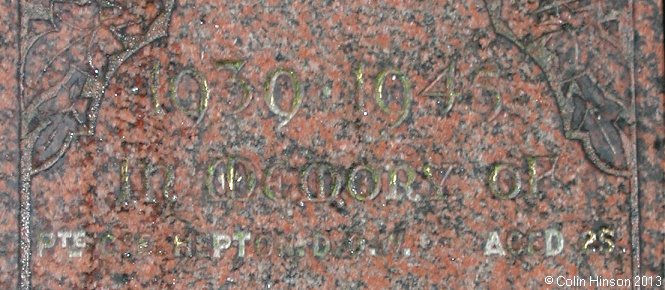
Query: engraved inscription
[{"x": 425, "y": 143}]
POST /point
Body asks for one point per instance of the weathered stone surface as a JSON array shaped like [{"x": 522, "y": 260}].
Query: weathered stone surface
[
  {"x": 198, "y": 144},
  {"x": 8, "y": 147}
]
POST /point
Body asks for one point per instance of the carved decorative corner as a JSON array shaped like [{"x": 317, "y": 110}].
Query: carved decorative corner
[{"x": 592, "y": 110}]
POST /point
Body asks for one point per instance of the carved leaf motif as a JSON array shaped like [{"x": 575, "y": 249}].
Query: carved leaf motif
[
  {"x": 574, "y": 50},
  {"x": 593, "y": 116},
  {"x": 53, "y": 73},
  {"x": 71, "y": 50},
  {"x": 51, "y": 112},
  {"x": 55, "y": 138}
]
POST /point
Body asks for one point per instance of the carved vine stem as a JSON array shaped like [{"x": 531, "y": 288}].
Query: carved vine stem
[
  {"x": 93, "y": 90},
  {"x": 544, "y": 58}
]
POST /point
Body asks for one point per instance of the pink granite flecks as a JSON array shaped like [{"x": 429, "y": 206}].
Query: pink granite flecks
[{"x": 560, "y": 109}]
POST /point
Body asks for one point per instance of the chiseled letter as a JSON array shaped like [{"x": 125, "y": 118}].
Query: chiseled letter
[
  {"x": 220, "y": 242},
  {"x": 553, "y": 242},
  {"x": 241, "y": 237},
  {"x": 493, "y": 245}
]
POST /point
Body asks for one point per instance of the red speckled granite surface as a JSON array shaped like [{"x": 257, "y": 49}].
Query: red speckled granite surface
[
  {"x": 9, "y": 147},
  {"x": 185, "y": 144}
]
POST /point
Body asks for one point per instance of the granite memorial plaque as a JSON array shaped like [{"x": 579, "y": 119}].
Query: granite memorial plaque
[{"x": 200, "y": 144}]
